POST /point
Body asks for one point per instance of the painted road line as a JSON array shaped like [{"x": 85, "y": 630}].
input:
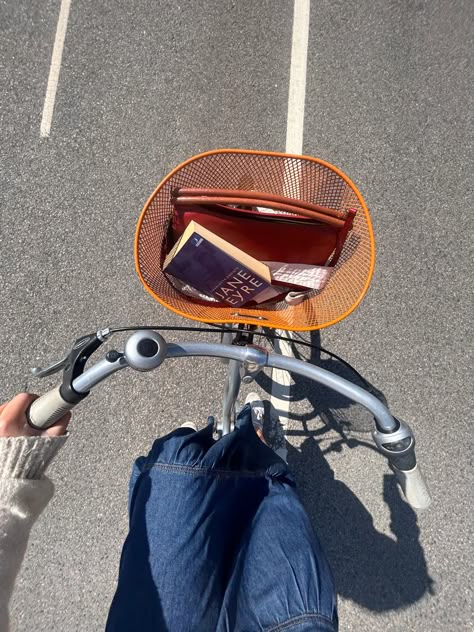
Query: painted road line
[
  {"x": 280, "y": 397},
  {"x": 297, "y": 89},
  {"x": 55, "y": 67},
  {"x": 281, "y": 380}
]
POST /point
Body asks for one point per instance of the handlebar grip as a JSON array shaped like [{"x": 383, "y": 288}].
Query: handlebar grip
[
  {"x": 47, "y": 410},
  {"x": 414, "y": 487}
]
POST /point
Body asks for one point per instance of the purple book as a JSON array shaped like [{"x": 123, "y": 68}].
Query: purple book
[{"x": 217, "y": 268}]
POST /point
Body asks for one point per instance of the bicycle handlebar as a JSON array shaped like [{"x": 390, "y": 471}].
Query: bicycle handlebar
[{"x": 147, "y": 350}]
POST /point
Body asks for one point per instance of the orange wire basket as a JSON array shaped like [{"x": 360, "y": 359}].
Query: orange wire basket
[{"x": 299, "y": 177}]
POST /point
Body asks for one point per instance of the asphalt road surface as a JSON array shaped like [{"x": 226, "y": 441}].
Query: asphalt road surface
[{"x": 144, "y": 85}]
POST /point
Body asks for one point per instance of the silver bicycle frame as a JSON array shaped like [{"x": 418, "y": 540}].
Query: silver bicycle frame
[{"x": 231, "y": 389}]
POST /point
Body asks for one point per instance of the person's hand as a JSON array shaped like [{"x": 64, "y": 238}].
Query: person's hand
[{"x": 13, "y": 421}]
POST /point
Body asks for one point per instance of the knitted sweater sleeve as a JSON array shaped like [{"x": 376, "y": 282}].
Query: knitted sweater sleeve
[{"x": 24, "y": 493}]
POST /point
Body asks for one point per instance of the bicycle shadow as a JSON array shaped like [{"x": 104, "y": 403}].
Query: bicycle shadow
[
  {"x": 378, "y": 571},
  {"x": 375, "y": 570},
  {"x": 335, "y": 410}
]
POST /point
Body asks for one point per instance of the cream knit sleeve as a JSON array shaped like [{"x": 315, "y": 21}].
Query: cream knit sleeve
[{"x": 24, "y": 493}]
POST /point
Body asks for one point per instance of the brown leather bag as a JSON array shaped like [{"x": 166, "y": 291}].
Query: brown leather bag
[{"x": 267, "y": 226}]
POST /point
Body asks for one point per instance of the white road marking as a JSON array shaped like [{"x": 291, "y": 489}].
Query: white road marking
[
  {"x": 280, "y": 396},
  {"x": 297, "y": 89},
  {"x": 281, "y": 380},
  {"x": 55, "y": 67}
]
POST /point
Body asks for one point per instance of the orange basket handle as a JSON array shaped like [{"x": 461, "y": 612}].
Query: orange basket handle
[{"x": 257, "y": 198}]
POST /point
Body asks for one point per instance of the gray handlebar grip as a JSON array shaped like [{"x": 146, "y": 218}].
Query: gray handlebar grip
[
  {"x": 47, "y": 410},
  {"x": 414, "y": 487}
]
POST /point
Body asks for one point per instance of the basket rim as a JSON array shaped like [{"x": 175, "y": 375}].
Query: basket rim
[{"x": 243, "y": 319}]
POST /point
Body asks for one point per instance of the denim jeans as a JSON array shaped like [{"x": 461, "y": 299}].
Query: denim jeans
[{"x": 219, "y": 541}]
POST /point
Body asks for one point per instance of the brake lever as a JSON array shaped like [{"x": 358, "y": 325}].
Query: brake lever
[
  {"x": 73, "y": 365},
  {"x": 39, "y": 372}
]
